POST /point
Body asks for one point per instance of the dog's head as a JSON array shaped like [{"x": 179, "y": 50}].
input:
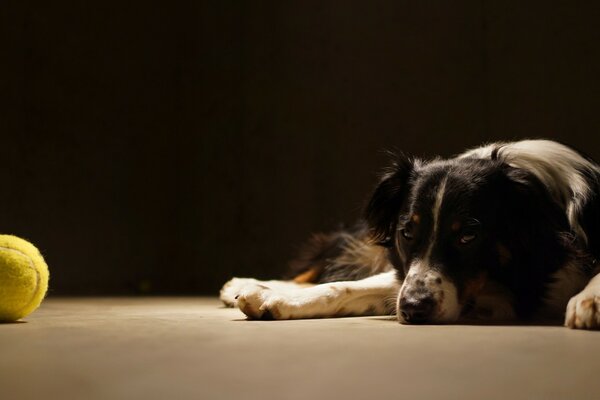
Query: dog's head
[{"x": 450, "y": 224}]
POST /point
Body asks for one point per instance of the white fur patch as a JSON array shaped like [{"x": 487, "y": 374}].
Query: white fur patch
[
  {"x": 449, "y": 308},
  {"x": 231, "y": 289},
  {"x": 583, "y": 310},
  {"x": 435, "y": 212},
  {"x": 368, "y": 296}
]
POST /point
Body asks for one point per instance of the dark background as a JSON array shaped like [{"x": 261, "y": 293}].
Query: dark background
[{"x": 163, "y": 149}]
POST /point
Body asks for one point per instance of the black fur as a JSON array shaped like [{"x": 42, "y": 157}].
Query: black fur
[{"x": 387, "y": 200}]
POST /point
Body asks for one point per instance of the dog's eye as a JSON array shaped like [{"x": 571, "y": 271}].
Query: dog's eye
[
  {"x": 406, "y": 234},
  {"x": 468, "y": 238}
]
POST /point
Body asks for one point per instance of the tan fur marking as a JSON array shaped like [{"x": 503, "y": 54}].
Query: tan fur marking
[
  {"x": 473, "y": 287},
  {"x": 416, "y": 218},
  {"x": 455, "y": 226},
  {"x": 307, "y": 276}
]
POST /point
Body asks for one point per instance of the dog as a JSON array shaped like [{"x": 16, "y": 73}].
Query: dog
[{"x": 506, "y": 232}]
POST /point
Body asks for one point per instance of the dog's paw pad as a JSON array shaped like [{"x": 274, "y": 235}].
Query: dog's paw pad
[{"x": 583, "y": 311}]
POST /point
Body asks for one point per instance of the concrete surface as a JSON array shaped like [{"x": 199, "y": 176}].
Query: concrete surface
[{"x": 179, "y": 348}]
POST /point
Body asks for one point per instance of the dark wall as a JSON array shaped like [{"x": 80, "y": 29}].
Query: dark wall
[{"x": 164, "y": 149}]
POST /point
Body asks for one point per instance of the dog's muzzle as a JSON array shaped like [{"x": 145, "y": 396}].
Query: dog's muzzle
[
  {"x": 427, "y": 296},
  {"x": 417, "y": 307}
]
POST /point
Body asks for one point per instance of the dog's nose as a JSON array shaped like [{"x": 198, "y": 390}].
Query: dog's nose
[{"x": 417, "y": 310}]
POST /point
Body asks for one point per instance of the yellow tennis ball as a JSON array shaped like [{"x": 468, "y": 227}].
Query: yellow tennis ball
[{"x": 23, "y": 278}]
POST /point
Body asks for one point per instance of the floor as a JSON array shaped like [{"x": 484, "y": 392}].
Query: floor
[{"x": 180, "y": 348}]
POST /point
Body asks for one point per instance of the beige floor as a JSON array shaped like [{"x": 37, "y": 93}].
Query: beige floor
[{"x": 179, "y": 348}]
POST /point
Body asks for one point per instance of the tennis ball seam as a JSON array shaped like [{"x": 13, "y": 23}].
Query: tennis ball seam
[{"x": 32, "y": 266}]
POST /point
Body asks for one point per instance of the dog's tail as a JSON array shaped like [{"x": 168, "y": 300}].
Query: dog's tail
[{"x": 343, "y": 255}]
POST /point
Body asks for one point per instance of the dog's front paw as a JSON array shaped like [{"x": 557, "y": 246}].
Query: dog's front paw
[
  {"x": 233, "y": 288},
  {"x": 260, "y": 302},
  {"x": 583, "y": 311}
]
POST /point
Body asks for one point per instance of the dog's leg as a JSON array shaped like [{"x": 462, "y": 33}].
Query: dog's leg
[
  {"x": 230, "y": 291},
  {"x": 375, "y": 295},
  {"x": 583, "y": 310}
]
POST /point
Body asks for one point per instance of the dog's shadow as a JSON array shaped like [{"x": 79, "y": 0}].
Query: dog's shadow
[
  {"x": 392, "y": 319},
  {"x": 476, "y": 322}
]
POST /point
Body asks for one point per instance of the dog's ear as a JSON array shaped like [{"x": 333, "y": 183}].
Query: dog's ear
[{"x": 382, "y": 211}]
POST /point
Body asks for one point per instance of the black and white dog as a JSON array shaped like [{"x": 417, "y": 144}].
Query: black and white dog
[{"x": 502, "y": 232}]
